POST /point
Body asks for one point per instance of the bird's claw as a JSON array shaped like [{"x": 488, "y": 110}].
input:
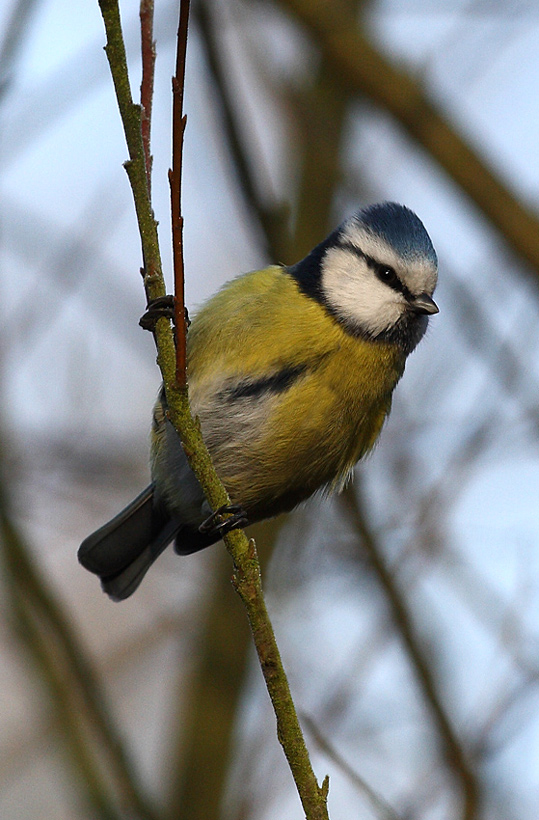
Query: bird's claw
[
  {"x": 217, "y": 524},
  {"x": 160, "y": 308}
]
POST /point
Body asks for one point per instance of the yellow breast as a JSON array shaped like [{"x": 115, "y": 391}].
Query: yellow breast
[{"x": 279, "y": 446}]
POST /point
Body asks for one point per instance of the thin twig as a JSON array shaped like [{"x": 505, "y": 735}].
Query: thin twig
[
  {"x": 248, "y": 583},
  {"x": 135, "y": 167},
  {"x": 179, "y": 121},
  {"x": 204, "y": 736},
  {"x": 146, "y": 85}
]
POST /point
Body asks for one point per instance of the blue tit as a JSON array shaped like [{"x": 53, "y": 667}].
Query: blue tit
[{"x": 291, "y": 372}]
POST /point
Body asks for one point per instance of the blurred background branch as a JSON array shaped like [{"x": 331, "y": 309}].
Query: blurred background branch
[
  {"x": 100, "y": 762},
  {"x": 423, "y": 663},
  {"x": 362, "y": 69}
]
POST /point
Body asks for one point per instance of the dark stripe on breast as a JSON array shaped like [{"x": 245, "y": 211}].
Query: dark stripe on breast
[{"x": 275, "y": 383}]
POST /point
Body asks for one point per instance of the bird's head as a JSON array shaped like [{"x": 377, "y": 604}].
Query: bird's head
[{"x": 375, "y": 274}]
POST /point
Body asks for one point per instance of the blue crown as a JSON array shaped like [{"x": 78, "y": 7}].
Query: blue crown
[{"x": 400, "y": 228}]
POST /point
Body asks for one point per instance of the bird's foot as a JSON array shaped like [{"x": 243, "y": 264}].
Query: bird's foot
[
  {"x": 160, "y": 308},
  {"x": 217, "y": 524}
]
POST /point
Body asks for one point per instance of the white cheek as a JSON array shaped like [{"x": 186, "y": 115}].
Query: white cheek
[{"x": 356, "y": 295}]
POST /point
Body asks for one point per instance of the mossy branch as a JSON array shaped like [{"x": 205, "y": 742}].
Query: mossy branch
[{"x": 246, "y": 578}]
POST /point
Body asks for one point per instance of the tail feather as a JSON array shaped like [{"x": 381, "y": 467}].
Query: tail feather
[
  {"x": 124, "y": 583},
  {"x": 122, "y": 551}
]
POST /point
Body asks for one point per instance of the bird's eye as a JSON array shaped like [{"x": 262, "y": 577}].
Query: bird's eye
[{"x": 388, "y": 276}]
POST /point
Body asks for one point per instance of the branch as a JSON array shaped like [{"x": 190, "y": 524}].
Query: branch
[
  {"x": 204, "y": 739},
  {"x": 247, "y": 579},
  {"x": 248, "y": 583},
  {"x": 362, "y": 69}
]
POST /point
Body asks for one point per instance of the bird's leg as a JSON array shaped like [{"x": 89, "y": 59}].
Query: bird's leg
[
  {"x": 216, "y": 524},
  {"x": 160, "y": 308}
]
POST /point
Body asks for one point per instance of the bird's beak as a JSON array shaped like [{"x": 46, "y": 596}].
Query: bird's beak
[{"x": 423, "y": 303}]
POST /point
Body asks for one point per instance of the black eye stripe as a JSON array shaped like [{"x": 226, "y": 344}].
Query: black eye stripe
[{"x": 384, "y": 273}]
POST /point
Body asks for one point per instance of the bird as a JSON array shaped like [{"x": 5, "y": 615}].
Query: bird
[{"x": 291, "y": 372}]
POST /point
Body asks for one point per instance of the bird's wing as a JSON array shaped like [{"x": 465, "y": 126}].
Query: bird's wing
[{"x": 259, "y": 327}]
